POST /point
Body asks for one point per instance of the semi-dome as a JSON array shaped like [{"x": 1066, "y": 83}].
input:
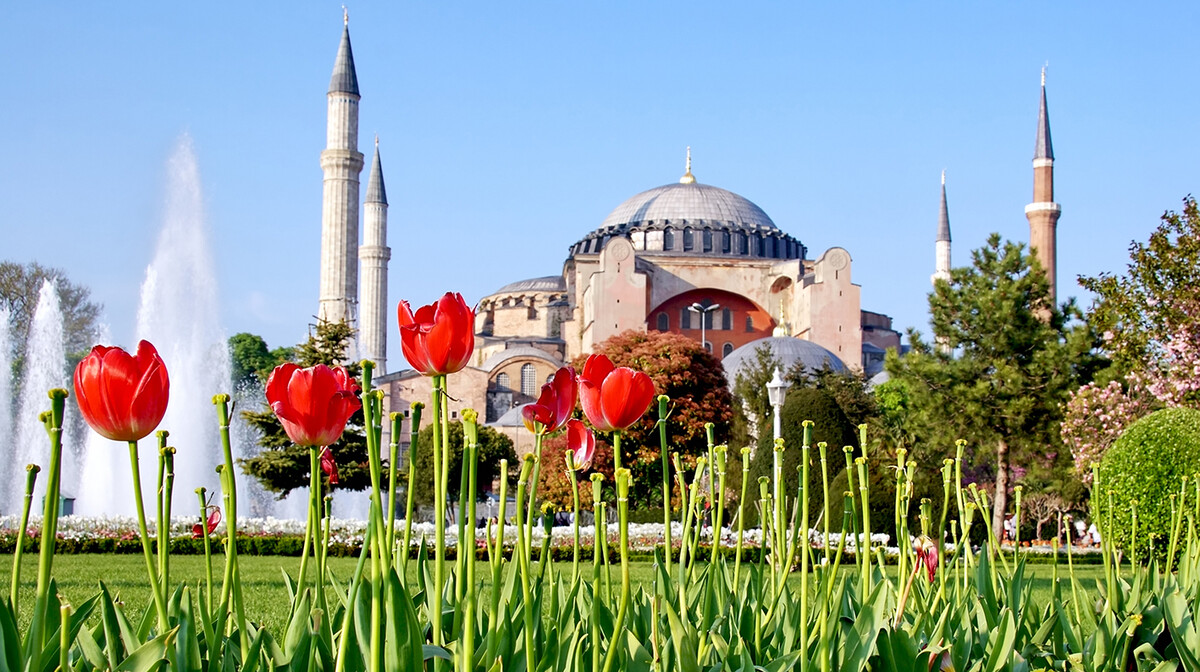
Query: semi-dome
[
  {"x": 549, "y": 283},
  {"x": 693, "y": 218},
  {"x": 787, "y": 351}
]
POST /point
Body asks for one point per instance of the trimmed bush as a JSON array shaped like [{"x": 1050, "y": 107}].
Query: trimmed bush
[
  {"x": 1148, "y": 464},
  {"x": 829, "y": 425}
]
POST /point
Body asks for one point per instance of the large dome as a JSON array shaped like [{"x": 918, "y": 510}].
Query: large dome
[
  {"x": 725, "y": 224},
  {"x": 695, "y": 203}
]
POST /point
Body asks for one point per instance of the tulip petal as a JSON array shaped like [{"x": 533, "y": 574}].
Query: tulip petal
[{"x": 625, "y": 396}]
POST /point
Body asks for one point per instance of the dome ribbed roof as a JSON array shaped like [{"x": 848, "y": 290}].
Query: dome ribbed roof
[
  {"x": 549, "y": 283},
  {"x": 694, "y": 203},
  {"x": 698, "y": 207},
  {"x": 787, "y": 350}
]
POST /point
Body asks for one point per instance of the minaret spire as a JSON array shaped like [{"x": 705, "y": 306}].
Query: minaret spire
[
  {"x": 942, "y": 242},
  {"x": 342, "y": 164},
  {"x": 688, "y": 178},
  {"x": 1043, "y": 212},
  {"x": 373, "y": 259}
]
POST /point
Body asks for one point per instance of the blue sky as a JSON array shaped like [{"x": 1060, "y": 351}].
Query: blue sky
[{"x": 509, "y": 130}]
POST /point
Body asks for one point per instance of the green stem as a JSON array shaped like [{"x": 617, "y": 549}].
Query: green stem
[
  {"x": 497, "y": 558},
  {"x": 466, "y": 544},
  {"x": 31, "y": 472},
  {"x": 309, "y": 533},
  {"x": 409, "y": 493},
  {"x": 575, "y": 510},
  {"x": 53, "y": 423},
  {"x": 523, "y": 551},
  {"x": 155, "y": 585},
  {"x": 230, "y": 483},
  {"x": 623, "y": 478},
  {"x": 208, "y": 571},
  {"x": 597, "y": 508},
  {"x": 164, "y": 547},
  {"x": 737, "y": 558},
  {"x": 393, "y": 456},
  {"x": 663, "y": 400},
  {"x": 439, "y": 507}
]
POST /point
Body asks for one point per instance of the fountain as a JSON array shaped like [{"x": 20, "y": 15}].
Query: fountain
[
  {"x": 6, "y": 394},
  {"x": 45, "y": 368}
]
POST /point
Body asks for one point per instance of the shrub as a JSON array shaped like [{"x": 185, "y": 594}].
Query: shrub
[
  {"x": 1147, "y": 464},
  {"x": 829, "y": 425}
]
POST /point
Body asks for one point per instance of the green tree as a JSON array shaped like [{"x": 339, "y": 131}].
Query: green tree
[
  {"x": 1005, "y": 361},
  {"x": 830, "y": 426},
  {"x": 283, "y": 466},
  {"x": 1137, "y": 312},
  {"x": 493, "y": 447},
  {"x": 251, "y": 361},
  {"x": 752, "y": 410},
  {"x": 695, "y": 382},
  {"x": 19, "y": 289}
]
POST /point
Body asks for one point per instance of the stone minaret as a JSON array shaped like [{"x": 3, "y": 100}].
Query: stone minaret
[
  {"x": 342, "y": 163},
  {"x": 1043, "y": 212},
  {"x": 373, "y": 258},
  {"x": 942, "y": 245}
]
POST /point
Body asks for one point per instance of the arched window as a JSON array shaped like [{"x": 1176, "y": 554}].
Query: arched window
[
  {"x": 688, "y": 243},
  {"x": 725, "y": 244},
  {"x": 664, "y": 323},
  {"x": 726, "y": 349},
  {"x": 749, "y": 324},
  {"x": 502, "y": 382},
  {"x": 528, "y": 380},
  {"x": 708, "y": 240},
  {"x": 685, "y": 318},
  {"x": 668, "y": 239},
  {"x": 726, "y": 319}
]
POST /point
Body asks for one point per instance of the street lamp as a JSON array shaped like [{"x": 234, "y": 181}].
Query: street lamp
[
  {"x": 776, "y": 391},
  {"x": 703, "y": 313}
]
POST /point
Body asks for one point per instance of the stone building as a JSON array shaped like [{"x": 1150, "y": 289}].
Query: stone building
[{"x": 685, "y": 257}]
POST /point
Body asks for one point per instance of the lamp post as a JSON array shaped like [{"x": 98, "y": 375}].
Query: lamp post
[
  {"x": 703, "y": 312},
  {"x": 776, "y": 391}
]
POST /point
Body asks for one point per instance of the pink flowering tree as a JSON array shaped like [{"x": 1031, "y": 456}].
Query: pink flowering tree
[{"x": 1096, "y": 415}]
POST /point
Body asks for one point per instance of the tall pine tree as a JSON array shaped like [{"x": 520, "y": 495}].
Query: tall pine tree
[
  {"x": 283, "y": 466},
  {"x": 1003, "y": 361}
]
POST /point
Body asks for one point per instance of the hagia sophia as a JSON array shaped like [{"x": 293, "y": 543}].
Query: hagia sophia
[{"x": 684, "y": 257}]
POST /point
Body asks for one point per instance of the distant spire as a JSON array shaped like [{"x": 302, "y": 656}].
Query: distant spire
[
  {"x": 1043, "y": 150},
  {"x": 344, "y": 79},
  {"x": 376, "y": 193},
  {"x": 688, "y": 178},
  {"x": 943, "y": 232}
]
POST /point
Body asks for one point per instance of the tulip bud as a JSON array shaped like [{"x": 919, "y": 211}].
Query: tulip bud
[{"x": 807, "y": 425}]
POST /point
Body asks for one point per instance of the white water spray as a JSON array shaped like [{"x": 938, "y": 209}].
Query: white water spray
[
  {"x": 44, "y": 369},
  {"x": 7, "y": 447}
]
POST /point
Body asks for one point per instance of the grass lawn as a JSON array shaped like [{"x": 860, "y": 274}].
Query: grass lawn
[{"x": 78, "y": 578}]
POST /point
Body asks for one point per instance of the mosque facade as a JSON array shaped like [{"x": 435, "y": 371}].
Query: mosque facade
[{"x": 685, "y": 257}]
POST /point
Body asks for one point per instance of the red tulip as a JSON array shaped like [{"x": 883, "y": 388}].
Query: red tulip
[
  {"x": 582, "y": 444},
  {"x": 613, "y": 397},
  {"x": 329, "y": 466},
  {"x": 312, "y": 404},
  {"x": 556, "y": 403},
  {"x": 122, "y": 397},
  {"x": 214, "y": 517},
  {"x": 440, "y": 337},
  {"x": 927, "y": 554}
]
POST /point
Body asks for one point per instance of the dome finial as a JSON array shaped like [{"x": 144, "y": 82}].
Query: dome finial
[
  {"x": 345, "y": 16},
  {"x": 688, "y": 178}
]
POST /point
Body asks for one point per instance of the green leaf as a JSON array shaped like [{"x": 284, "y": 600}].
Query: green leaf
[{"x": 150, "y": 656}]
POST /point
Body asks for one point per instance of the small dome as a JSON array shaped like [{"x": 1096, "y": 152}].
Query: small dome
[
  {"x": 691, "y": 205},
  {"x": 787, "y": 350},
  {"x": 549, "y": 283}
]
